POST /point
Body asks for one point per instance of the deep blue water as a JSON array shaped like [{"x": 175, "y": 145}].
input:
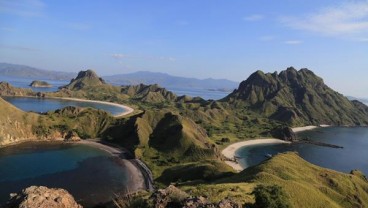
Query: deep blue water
[
  {"x": 91, "y": 175},
  {"x": 48, "y": 104},
  {"x": 354, "y": 155}
]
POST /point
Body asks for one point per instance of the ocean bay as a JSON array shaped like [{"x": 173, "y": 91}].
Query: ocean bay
[{"x": 352, "y": 156}]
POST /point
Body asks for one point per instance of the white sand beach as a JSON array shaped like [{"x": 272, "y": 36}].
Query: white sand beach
[
  {"x": 127, "y": 109},
  {"x": 229, "y": 151},
  {"x": 305, "y": 128}
]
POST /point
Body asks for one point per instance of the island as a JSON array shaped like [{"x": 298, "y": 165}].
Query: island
[
  {"x": 38, "y": 83},
  {"x": 180, "y": 142}
]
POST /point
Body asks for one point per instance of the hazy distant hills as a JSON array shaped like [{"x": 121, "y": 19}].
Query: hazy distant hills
[
  {"x": 22, "y": 71},
  {"x": 363, "y": 100},
  {"x": 169, "y": 81},
  {"x": 141, "y": 77}
]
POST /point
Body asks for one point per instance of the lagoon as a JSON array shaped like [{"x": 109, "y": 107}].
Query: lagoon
[
  {"x": 354, "y": 155},
  {"x": 42, "y": 105}
]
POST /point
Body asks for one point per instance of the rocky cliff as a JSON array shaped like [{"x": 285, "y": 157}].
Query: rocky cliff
[{"x": 42, "y": 197}]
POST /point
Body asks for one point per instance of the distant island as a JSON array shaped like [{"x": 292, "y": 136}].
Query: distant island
[
  {"x": 38, "y": 83},
  {"x": 135, "y": 78}
]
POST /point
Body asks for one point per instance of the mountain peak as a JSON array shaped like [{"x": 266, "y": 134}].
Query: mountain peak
[
  {"x": 89, "y": 73},
  {"x": 298, "y": 97},
  {"x": 84, "y": 79}
]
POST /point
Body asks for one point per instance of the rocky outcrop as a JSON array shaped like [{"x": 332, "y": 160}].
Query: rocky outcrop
[
  {"x": 71, "y": 136},
  {"x": 38, "y": 83},
  {"x": 284, "y": 133},
  {"x": 174, "y": 197},
  {"x": 42, "y": 197},
  {"x": 7, "y": 89},
  {"x": 298, "y": 98}
]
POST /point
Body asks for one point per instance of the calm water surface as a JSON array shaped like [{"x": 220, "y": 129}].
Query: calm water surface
[
  {"x": 193, "y": 92},
  {"x": 88, "y": 173},
  {"x": 354, "y": 155},
  {"x": 47, "y": 104}
]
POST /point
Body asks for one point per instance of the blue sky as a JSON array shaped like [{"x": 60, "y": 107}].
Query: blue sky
[{"x": 192, "y": 38}]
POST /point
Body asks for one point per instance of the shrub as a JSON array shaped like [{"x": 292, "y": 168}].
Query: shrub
[{"x": 270, "y": 197}]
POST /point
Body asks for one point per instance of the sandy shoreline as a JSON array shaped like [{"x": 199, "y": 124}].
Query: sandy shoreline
[
  {"x": 127, "y": 109},
  {"x": 140, "y": 177},
  {"x": 306, "y": 128},
  {"x": 229, "y": 151}
]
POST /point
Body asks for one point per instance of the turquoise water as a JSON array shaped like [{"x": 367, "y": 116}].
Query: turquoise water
[
  {"x": 44, "y": 104},
  {"x": 88, "y": 173},
  {"x": 354, "y": 155}
]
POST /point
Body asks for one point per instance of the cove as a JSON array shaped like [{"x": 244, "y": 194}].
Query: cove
[
  {"x": 354, "y": 155},
  {"x": 91, "y": 175},
  {"x": 42, "y": 105}
]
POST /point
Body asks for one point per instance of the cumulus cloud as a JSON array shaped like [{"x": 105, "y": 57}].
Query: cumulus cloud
[
  {"x": 253, "y": 18},
  {"x": 347, "y": 20}
]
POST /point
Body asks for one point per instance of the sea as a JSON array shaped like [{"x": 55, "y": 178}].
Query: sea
[
  {"x": 206, "y": 94},
  {"x": 353, "y": 155},
  {"x": 91, "y": 175}
]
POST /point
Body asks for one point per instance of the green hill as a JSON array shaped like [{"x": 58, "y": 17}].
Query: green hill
[
  {"x": 148, "y": 93},
  {"x": 301, "y": 184},
  {"x": 16, "y": 125},
  {"x": 298, "y": 98},
  {"x": 164, "y": 140},
  {"x": 84, "y": 79}
]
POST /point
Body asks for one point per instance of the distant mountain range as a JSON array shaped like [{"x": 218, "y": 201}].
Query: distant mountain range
[
  {"x": 22, "y": 71},
  {"x": 144, "y": 77},
  {"x": 363, "y": 100},
  {"x": 169, "y": 81}
]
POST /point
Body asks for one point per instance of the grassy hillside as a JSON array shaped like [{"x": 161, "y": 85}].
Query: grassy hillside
[
  {"x": 304, "y": 184},
  {"x": 16, "y": 125}
]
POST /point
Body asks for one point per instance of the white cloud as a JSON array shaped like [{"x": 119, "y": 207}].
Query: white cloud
[
  {"x": 253, "y": 18},
  {"x": 293, "y": 42},
  {"x": 347, "y": 20},
  {"x": 27, "y": 8}
]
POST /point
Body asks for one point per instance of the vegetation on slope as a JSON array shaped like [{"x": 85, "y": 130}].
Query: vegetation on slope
[{"x": 298, "y": 98}]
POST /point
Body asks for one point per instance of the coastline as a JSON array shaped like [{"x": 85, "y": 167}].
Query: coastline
[
  {"x": 127, "y": 109},
  {"x": 140, "y": 176},
  {"x": 306, "y": 128},
  {"x": 229, "y": 151}
]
